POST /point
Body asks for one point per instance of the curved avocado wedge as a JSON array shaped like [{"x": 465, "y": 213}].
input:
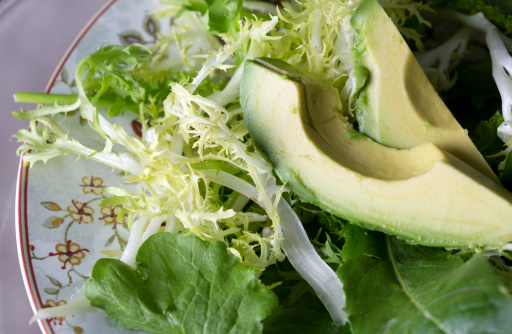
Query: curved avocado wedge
[
  {"x": 424, "y": 194},
  {"x": 398, "y": 107}
]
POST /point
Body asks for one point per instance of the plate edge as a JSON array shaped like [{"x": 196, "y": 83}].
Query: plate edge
[{"x": 22, "y": 184}]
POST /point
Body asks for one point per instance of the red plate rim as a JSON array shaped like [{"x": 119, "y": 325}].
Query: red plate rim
[{"x": 22, "y": 239}]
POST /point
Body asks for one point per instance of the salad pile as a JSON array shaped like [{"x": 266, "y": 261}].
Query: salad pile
[{"x": 217, "y": 243}]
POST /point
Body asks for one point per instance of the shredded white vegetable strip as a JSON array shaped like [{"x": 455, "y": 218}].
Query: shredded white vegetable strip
[
  {"x": 446, "y": 56},
  {"x": 78, "y": 304},
  {"x": 134, "y": 241},
  {"x": 499, "y": 47},
  {"x": 299, "y": 250}
]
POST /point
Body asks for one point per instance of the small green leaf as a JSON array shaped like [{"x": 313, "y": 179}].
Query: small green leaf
[{"x": 221, "y": 15}]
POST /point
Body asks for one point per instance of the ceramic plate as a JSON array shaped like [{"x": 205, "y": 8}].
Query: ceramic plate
[{"x": 60, "y": 227}]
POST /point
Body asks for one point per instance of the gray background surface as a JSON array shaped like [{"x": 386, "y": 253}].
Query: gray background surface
[{"x": 34, "y": 34}]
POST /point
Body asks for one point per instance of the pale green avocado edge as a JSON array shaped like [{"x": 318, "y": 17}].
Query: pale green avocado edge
[{"x": 307, "y": 194}]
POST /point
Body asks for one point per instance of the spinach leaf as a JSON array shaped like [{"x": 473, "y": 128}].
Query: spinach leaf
[
  {"x": 299, "y": 311},
  {"x": 403, "y": 288},
  {"x": 183, "y": 285}
]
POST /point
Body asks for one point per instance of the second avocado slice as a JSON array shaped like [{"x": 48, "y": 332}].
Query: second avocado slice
[
  {"x": 398, "y": 107},
  {"x": 423, "y": 195}
]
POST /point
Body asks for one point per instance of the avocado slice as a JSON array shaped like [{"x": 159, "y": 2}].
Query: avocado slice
[
  {"x": 424, "y": 194},
  {"x": 397, "y": 106}
]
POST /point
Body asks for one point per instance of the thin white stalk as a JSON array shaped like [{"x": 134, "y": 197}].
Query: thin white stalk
[
  {"x": 78, "y": 305},
  {"x": 171, "y": 225},
  {"x": 499, "y": 46},
  {"x": 240, "y": 202},
  {"x": 309, "y": 265},
  {"x": 260, "y": 6},
  {"x": 299, "y": 250},
  {"x": 232, "y": 89},
  {"x": 177, "y": 144},
  {"x": 153, "y": 227},
  {"x": 316, "y": 33},
  {"x": 443, "y": 53},
  {"x": 134, "y": 241}
]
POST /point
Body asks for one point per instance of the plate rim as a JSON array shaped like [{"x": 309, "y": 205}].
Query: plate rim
[{"x": 21, "y": 221}]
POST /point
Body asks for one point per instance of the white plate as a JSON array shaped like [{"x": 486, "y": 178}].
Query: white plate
[{"x": 60, "y": 228}]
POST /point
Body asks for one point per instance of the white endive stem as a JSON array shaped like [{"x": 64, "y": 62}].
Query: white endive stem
[
  {"x": 134, "y": 241},
  {"x": 153, "y": 227},
  {"x": 78, "y": 305},
  {"x": 299, "y": 250}
]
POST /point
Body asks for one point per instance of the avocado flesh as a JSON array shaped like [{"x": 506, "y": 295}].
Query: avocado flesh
[
  {"x": 398, "y": 107},
  {"x": 424, "y": 194}
]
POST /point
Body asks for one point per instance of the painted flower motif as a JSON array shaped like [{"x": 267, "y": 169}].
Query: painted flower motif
[
  {"x": 53, "y": 303},
  {"x": 92, "y": 185},
  {"x": 111, "y": 215},
  {"x": 70, "y": 252},
  {"x": 81, "y": 212}
]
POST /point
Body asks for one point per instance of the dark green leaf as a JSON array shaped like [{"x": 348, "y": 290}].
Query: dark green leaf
[
  {"x": 305, "y": 316},
  {"x": 300, "y": 311},
  {"x": 416, "y": 289},
  {"x": 506, "y": 175},
  {"x": 359, "y": 242},
  {"x": 475, "y": 95},
  {"x": 184, "y": 285},
  {"x": 486, "y": 135},
  {"x": 487, "y": 141}
]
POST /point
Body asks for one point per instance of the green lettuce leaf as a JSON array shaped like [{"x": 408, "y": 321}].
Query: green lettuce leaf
[
  {"x": 221, "y": 16},
  {"x": 306, "y": 316},
  {"x": 183, "y": 285},
  {"x": 396, "y": 287},
  {"x": 300, "y": 311},
  {"x": 487, "y": 141}
]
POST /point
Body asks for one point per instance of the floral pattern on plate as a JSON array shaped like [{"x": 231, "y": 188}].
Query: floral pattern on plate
[{"x": 61, "y": 230}]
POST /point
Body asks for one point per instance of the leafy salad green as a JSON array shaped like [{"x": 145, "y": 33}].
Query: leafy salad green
[{"x": 218, "y": 244}]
